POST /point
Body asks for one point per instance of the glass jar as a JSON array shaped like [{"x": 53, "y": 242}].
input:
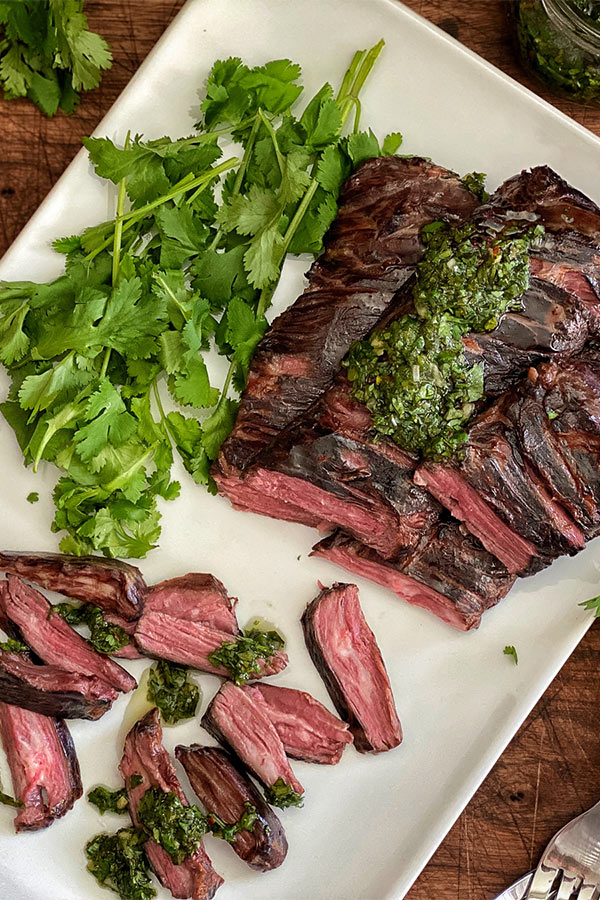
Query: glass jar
[{"x": 559, "y": 41}]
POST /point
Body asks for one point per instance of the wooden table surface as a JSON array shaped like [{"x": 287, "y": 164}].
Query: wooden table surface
[{"x": 551, "y": 770}]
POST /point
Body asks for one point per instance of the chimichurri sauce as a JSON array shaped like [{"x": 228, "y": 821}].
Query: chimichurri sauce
[{"x": 412, "y": 375}]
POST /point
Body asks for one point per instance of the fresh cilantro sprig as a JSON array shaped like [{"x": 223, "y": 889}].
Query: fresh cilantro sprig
[
  {"x": 509, "y": 650},
  {"x": 48, "y": 54},
  {"x": 108, "y": 367},
  {"x": 593, "y": 604}
]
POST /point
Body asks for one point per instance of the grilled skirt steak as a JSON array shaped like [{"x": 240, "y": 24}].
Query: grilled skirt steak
[
  {"x": 319, "y": 464},
  {"x": 116, "y": 587},
  {"x": 345, "y": 652},
  {"x": 370, "y": 253},
  {"x": 223, "y": 789},
  {"x": 54, "y": 640},
  {"x": 191, "y": 643},
  {"x": 307, "y": 729},
  {"x": 145, "y": 755},
  {"x": 196, "y": 597},
  {"x": 43, "y": 766},
  {"x": 234, "y": 719}
]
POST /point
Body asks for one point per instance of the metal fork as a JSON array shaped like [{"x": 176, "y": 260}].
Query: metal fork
[{"x": 573, "y": 856}]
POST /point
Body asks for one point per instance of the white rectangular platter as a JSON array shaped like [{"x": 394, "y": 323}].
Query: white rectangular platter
[{"x": 370, "y": 824}]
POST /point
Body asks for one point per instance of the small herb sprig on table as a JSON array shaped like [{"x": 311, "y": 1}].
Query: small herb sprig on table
[{"x": 192, "y": 264}]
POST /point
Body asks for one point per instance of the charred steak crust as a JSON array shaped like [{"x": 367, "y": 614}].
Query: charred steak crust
[
  {"x": 145, "y": 755},
  {"x": 352, "y": 667},
  {"x": 223, "y": 788},
  {"x": 114, "y": 586},
  {"x": 370, "y": 252}
]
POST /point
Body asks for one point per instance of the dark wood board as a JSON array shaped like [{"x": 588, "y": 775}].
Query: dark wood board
[{"x": 551, "y": 770}]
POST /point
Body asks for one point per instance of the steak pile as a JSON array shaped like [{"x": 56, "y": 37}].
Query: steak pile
[{"x": 450, "y": 537}]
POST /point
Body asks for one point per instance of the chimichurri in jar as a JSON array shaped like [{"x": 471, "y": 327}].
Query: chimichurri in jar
[{"x": 559, "y": 41}]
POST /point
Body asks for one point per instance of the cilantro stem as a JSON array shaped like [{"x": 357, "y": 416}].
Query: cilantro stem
[
  {"x": 240, "y": 175},
  {"x": 116, "y": 260},
  {"x": 135, "y": 215},
  {"x": 347, "y": 99},
  {"x": 226, "y": 384},
  {"x": 158, "y": 278},
  {"x": 358, "y": 72},
  {"x": 269, "y": 126}
]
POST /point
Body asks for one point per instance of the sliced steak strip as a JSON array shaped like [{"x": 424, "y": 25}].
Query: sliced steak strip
[
  {"x": 558, "y": 425},
  {"x": 345, "y": 652},
  {"x": 144, "y": 755},
  {"x": 116, "y": 587},
  {"x": 51, "y": 691},
  {"x": 191, "y": 643},
  {"x": 371, "y": 249},
  {"x": 449, "y": 487},
  {"x": 237, "y": 721},
  {"x": 307, "y": 729},
  {"x": 55, "y": 641},
  {"x": 493, "y": 465},
  {"x": 43, "y": 766},
  {"x": 224, "y": 789},
  {"x": 450, "y": 573},
  {"x": 196, "y": 597}
]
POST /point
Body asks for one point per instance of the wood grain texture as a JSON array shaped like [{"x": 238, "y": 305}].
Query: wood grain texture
[{"x": 551, "y": 770}]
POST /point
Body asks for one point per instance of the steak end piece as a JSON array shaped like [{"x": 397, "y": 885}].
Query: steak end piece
[
  {"x": 43, "y": 766},
  {"x": 345, "y": 652},
  {"x": 114, "y": 586},
  {"x": 145, "y": 756},
  {"x": 307, "y": 729},
  {"x": 52, "y": 691},
  {"x": 223, "y": 789},
  {"x": 234, "y": 719}
]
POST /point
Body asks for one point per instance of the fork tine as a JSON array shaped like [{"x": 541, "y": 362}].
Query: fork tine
[
  {"x": 588, "y": 892},
  {"x": 567, "y": 886},
  {"x": 541, "y": 885}
]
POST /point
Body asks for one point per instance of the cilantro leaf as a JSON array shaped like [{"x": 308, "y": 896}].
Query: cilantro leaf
[
  {"x": 593, "y": 604},
  {"x": 362, "y": 146},
  {"x": 107, "y": 422},
  {"x": 510, "y": 651},
  {"x": 391, "y": 143}
]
